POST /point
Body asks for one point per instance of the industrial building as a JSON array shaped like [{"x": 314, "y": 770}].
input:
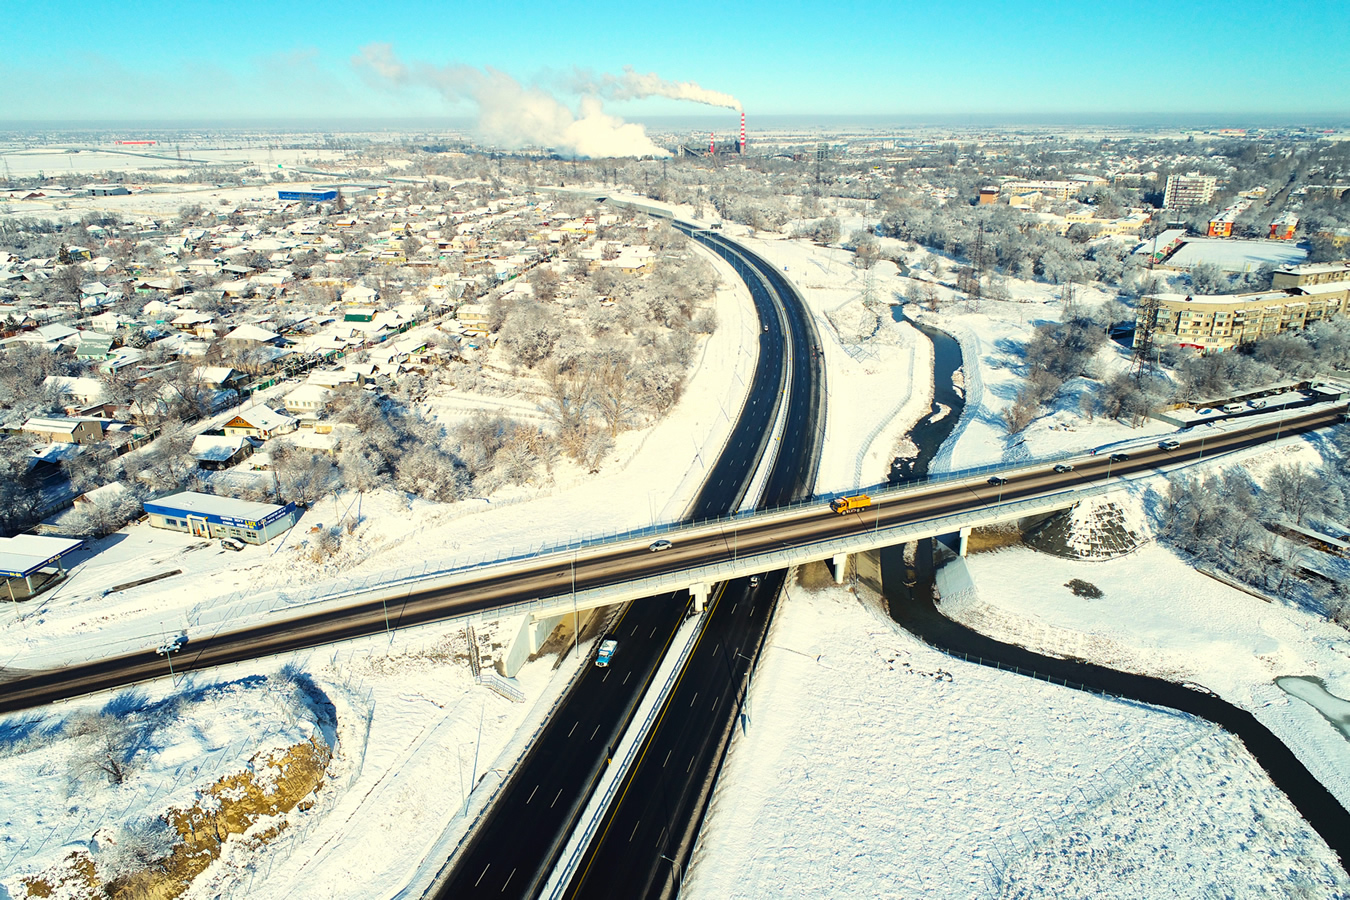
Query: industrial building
[
  {"x": 1222, "y": 322},
  {"x": 314, "y": 195},
  {"x": 209, "y": 516},
  {"x": 1189, "y": 191}
]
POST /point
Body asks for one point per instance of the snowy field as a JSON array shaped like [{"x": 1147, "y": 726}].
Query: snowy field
[
  {"x": 159, "y": 202},
  {"x": 78, "y": 163},
  {"x": 1236, "y": 256},
  {"x": 1159, "y": 616},
  {"x": 874, "y": 766}
]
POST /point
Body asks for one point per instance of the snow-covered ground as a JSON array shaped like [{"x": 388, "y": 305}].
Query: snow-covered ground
[
  {"x": 413, "y": 732},
  {"x": 1160, "y": 616},
  {"x": 991, "y": 338},
  {"x": 1236, "y": 256},
  {"x": 874, "y": 766}
]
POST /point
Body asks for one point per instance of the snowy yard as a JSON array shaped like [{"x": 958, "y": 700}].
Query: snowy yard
[{"x": 874, "y": 766}]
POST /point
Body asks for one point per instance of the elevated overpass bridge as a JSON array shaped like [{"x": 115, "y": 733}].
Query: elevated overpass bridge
[
  {"x": 556, "y": 580},
  {"x": 707, "y": 553}
]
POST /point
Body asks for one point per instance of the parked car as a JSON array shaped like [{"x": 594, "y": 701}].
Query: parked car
[
  {"x": 658, "y": 546},
  {"x": 1063, "y": 467},
  {"x": 1168, "y": 444},
  {"x": 232, "y": 544}
]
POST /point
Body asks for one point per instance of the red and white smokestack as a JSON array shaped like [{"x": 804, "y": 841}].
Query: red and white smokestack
[
  {"x": 742, "y": 131},
  {"x": 712, "y": 144}
]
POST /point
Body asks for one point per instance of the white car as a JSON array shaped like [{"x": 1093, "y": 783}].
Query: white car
[{"x": 658, "y": 546}]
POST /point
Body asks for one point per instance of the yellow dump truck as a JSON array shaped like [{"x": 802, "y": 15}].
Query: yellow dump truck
[{"x": 845, "y": 505}]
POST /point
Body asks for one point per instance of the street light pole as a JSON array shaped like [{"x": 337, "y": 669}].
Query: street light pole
[{"x": 678, "y": 871}]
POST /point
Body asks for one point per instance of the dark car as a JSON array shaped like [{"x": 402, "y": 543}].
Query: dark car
[
  {"x": 996, "y": 481},
  {"x": 1119, "y": 457}
]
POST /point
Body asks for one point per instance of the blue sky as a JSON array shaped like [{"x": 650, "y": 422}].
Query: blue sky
[{"x": 159, "y": 60}]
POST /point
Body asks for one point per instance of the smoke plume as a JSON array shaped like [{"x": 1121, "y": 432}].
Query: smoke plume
[
  {"x": 510, "y": 114},
  {"x": 633, "y": 85}
]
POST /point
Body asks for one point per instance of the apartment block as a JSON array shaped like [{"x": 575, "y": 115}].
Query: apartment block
[
  {"x": 1189, "y": 191},
  {"x": 1222, "y": 322}
]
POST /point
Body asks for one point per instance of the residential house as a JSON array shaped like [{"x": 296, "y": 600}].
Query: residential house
[
  {"x": 214, "y": 453},
  {"x": 260, "y": 422},
  {"x": 305, "y": 401},
  {"x": 253, "y": 336},
  {"x": 65, "y": 430},
  {"x": 93, "y": 346}
]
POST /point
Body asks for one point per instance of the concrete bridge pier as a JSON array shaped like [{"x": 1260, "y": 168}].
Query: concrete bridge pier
[
  {"x": 531, "y": 636},
  {"x": 700, "y": 594},
  {"x": 965, "y": 541},
  {"x": 840, "y": 565}
]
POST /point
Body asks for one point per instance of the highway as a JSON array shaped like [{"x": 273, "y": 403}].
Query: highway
[
  {"x": 646, "y": 835},
  {"x": 512, "y": 851}
]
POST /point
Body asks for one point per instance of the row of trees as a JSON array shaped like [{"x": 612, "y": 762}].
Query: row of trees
[{"x": 1226, "y": 521}]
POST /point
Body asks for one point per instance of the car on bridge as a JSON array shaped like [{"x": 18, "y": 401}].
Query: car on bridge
[
  {"x": 1119, "y": 457},
  {"x": 997, "y": 481},
  {"x": 1063, "y": 467},
  {"x": 1168, "y": 444},
  {"x": 658, "y": 546}
]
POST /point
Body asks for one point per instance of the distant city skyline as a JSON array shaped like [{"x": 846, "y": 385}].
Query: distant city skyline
[{"x": 78, "y": 61}]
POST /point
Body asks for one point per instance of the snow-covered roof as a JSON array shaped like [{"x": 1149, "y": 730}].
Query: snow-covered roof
[
  {"x": 216, "y": 448},
  {"x": 261, "y": 417},
  {"x": 210, "y": 504},
  {"x": 308, "y": 392},
  {"x": 252, "y": 333},
  {"x": 24, "y": 554}
]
